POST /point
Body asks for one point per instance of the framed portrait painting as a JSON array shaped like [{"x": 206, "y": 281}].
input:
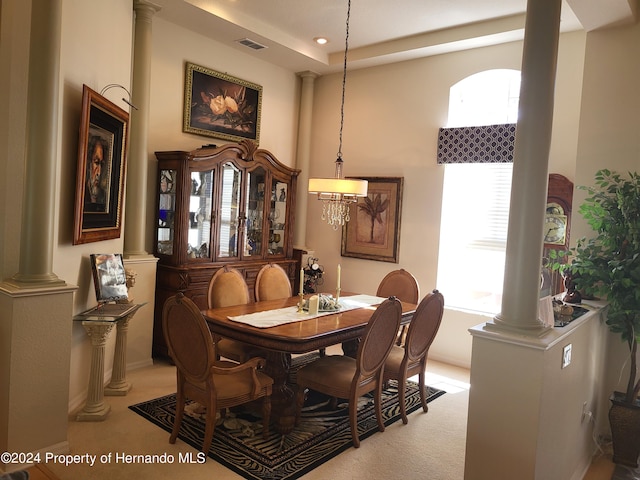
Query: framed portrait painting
[
  {"x": 373, "y": 233},
  {"x": 102, "y": 153},
  {"x": 219, "y": 105}
]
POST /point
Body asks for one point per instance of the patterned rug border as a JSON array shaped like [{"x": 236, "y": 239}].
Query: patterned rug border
[{"x": 284, "y": 457}]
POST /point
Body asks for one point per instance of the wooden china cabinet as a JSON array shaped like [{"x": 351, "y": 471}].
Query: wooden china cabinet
[{"x": 231, "y": 205}]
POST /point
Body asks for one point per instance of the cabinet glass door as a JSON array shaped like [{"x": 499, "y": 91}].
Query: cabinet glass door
[
  {"x": 254, "y": 210},
  {"x": 277, "y": 217},
  {"x": 166, "y": 212},
  {"x": 229, "y": 211},
  {"x": 200, "y": 204}
]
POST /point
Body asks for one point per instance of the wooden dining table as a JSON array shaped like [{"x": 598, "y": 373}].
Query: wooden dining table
[{"x": 281, "y": 341}]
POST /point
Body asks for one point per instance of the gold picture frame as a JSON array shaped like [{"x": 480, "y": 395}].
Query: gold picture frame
[
  {"x": 221, "y": 106},
  {"x": 373, "y": 233}
]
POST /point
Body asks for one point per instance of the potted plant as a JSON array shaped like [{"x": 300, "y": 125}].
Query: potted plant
[{"x": 608, "y": 265}]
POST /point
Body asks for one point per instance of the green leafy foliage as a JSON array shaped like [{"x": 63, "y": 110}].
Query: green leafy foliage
[{"x": 608, "y": 264}]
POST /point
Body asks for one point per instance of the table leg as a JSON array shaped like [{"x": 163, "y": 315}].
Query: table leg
[
  {"x": 350, "y": 348},
  {"x": 118, "y": 384},
  {"x": 283, "y": 398},
  {"x": 95, "y": 408}
]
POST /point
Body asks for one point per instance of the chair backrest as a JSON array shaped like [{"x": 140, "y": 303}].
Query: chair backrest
[
  {"x": 227, "y": 287},
  {"x": 378, "y": 337},
  {"x": 400, "y": 284},
  {"x": 272, "y": 283},
  {"x": 424, "y": 326},
  {"x": 188, "y": 338}
]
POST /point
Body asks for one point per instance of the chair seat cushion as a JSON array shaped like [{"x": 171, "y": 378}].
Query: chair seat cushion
[
  {"x": 238, "y": 384},
  {"x": 334, "y": 372},
  {"x": 237, "y": 351},
  {"x": 394, "y": 361},
  {"x": 229, "y": 386}
]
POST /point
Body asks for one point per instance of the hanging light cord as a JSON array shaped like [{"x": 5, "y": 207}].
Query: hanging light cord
[
  {"x": 344, "y": 79},
  {"x": 338, "y": 193}
]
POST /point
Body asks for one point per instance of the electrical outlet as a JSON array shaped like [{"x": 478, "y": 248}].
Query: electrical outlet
[
  {"x": 584, "y": 411},
  {"x": 566, "y": 356}
]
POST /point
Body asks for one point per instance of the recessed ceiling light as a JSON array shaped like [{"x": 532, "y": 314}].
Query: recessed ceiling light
[{"x": 320, "y": 40}]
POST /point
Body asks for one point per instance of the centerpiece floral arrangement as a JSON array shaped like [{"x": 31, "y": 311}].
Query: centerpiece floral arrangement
[{"x": 326, "y": 303}]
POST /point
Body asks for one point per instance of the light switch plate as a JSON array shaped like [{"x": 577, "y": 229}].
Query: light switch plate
[{"x": 566, "y": 356}]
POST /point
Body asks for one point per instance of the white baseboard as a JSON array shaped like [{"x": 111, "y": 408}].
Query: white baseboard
[{"x": 449, "y": 360}]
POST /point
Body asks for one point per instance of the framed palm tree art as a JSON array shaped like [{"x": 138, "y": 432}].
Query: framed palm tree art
[{"x": 373, "y": 233}]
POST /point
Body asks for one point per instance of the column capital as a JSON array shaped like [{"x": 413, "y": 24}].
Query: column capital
[
  {"x": 98, "y": 332},
  {"x": 145, "y": 11},
  {"x": 308, "y": 74},
  {"x": 146, "y": 7}
]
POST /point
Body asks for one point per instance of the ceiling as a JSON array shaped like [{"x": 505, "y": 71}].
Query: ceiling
[{"x": 380, "y": 31}]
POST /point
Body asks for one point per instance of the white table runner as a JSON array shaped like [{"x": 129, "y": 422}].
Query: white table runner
[{"x": 280, "y": 316}]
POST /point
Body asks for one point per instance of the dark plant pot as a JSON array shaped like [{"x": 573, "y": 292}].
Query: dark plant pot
[{"x": 624, "y": 419}]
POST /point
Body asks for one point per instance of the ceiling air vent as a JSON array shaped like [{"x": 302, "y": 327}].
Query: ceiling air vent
[{"x": 247, "y": 42}]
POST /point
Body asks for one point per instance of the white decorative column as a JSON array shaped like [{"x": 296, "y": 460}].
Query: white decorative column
[
  {"x": 36, "y": 306},
  {"x": 515, "y": 366},
  {"x": 136, "y": 196},
  {"x": 118, "y": 384},
  {"x": 95, "y": 408},
  {"x": 38, "y": 216},
  {"x": 303, "y": 158},
  {"x": 521, "y": 290}
]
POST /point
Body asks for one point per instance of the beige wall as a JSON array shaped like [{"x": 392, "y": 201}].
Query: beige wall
[
  {"x": 392, "y": 116},
  {"x": 96, "y": 49},
  {"x": 396, "y": 143},
  {"x": 391, "y": 120},
  {"x": 609, "y": 138},
  {"x": 172, "y": 47}
]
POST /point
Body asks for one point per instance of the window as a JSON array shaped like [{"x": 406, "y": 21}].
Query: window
[{"x": 475, "y": 204}]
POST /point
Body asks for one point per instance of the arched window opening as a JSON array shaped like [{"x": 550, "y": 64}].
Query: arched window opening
[{"x": 476, "y": 194}]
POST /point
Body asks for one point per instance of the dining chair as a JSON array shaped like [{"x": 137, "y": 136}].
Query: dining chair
[
  {"x": 410, "y": 360},
  {"x": 340, "y": 376},
  {"x": 272, "y": 283},
  {"x": 227, "y": 287},
  {"x": 214, "y": 384},
  {"x": 402, "y": 285}
]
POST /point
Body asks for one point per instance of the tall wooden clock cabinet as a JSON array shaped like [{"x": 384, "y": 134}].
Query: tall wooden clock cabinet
[
  {"x": 230, "y": 205},
  {"x": 557, "y": 225}
]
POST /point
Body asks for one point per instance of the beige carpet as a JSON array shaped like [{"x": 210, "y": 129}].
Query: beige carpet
[
  {"x": 432, "y": 445},
  {"x": 433, "y": 442}
]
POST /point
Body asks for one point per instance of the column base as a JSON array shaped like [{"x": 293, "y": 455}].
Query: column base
[
  {"x": 118, "y": 389},
  {"x": 499, "y": 325},
  {"x": 97, "y": 415}
]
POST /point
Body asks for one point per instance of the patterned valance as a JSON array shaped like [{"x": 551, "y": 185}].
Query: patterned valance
[{"x": 482, "y": 144}]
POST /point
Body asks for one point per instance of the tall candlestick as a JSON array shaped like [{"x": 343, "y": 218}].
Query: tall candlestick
[
  {"x": 301, "y": 281},
  {"x": 338, "y": 285},
  {"x": 301, "y": 292}
]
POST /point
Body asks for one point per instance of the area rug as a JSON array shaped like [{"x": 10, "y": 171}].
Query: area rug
[{"x": 322, "y": 434}]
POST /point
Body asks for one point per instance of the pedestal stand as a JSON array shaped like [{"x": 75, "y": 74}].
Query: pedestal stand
[
  {"x": 96, "y": 409},
  {"x": 119, "y": 385},
  {"x": 98, "y": 325}
]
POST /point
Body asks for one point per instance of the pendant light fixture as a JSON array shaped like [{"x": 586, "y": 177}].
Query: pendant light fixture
[{"x": 338, "y": 193}]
